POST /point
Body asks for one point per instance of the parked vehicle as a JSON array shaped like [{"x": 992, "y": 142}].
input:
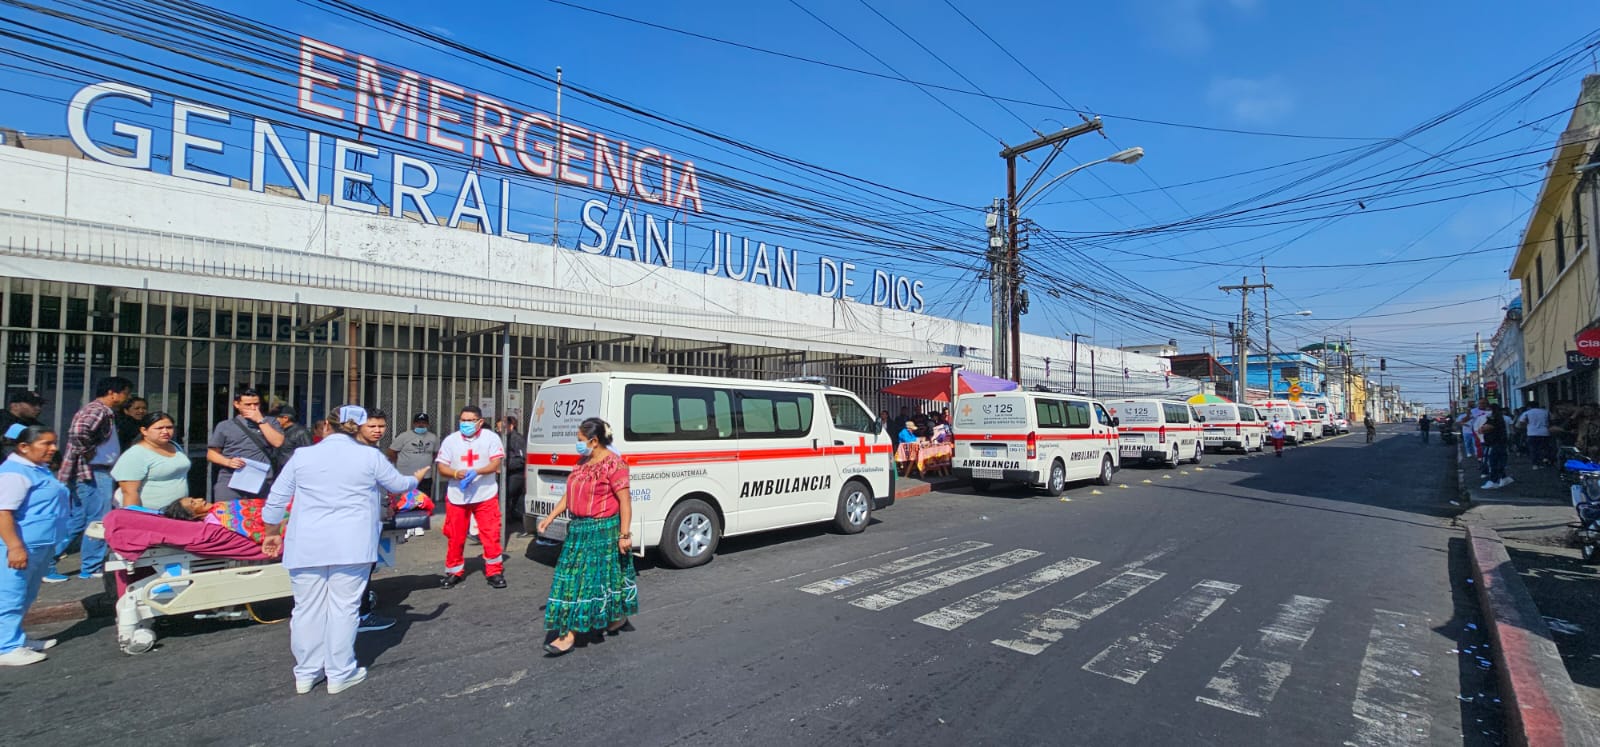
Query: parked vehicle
[
  {"x": 1153, "y": 430},
  {"x": 1341, "y": 425},
  {"x": 1232, "y": 426},
  {"x": 1586, "y": 502},
  {"x": 1322, "y": 414},
  {"x": 713, "y": 458},
  {"x": 1284, "y": 410},
  {"x": 1310, "y": 430},
  {"x": 1038, "y": 439}
]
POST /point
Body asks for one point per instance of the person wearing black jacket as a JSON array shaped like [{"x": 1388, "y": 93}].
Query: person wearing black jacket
[{"x": 516, "y": 470}]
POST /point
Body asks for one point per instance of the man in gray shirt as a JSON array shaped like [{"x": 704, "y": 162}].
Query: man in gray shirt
[
  {"x": 246, "y": 435},
  {"x": 415, "y": 449}
]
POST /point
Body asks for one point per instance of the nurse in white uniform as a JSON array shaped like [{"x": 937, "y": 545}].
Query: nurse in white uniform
[{"x": 338, "y": 487}]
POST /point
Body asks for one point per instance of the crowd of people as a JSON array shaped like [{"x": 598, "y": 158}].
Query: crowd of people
[
  {"x": 1492, "y": 433},
  {"x": 921, "y": 429},
  {"x": 336, "y": 478}
]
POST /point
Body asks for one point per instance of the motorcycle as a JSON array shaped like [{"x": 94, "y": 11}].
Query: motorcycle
[{"x": 1586, "y": 502}]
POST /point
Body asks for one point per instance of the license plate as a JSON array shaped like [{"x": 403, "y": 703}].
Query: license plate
[{"x": 992, "y": 452}]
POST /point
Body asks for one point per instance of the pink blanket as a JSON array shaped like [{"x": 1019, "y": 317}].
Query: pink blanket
[{"x": 131, "y": 533}]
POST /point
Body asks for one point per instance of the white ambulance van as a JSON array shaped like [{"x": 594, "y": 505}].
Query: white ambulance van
[
  {"x": 1322, "y": 414},
  {"x": 1039, "y": 439},
  {"x": 1284, "y": 410},
  {"x": 1153, "y": 430},
  {"x": 1232, "y": 426},
  {"x": 712, "y": 458},
  {"x": 1310, "y": 429}
]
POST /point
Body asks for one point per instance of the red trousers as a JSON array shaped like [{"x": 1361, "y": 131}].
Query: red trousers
[{"x": 457, "y": 519}]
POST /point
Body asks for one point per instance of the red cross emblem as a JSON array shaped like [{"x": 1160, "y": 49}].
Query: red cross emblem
[
  {"x": 471, "y": 458},
  {"x": 862, "y": 451}
]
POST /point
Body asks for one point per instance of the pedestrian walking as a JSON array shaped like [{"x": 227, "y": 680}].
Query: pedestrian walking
[
  {"x": 1536, "y": 420},
  {"x": 470, "y": 459},
  {"x": 1493, "y": 432},
  {"x": 91, "y": 450},
  {"x": 595, "y": 589},
  {"x": 153, "y": 472},
  {"x": 295, "y": 435},
  {"x": 1425, "y": 424},
  {"x": 1277, "y": 430},
  {"x": 1469, "y": 439},
  {"x": 338, "y": 487},
  {"x": 23, "y": 407},
  {"x": 33, "y": 519},
  {"x": 248, "y": 435},
  {"x": 1372, "y": 428}
]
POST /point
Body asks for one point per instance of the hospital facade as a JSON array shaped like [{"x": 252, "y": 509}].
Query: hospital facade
[{"x": 193, "y": 290}]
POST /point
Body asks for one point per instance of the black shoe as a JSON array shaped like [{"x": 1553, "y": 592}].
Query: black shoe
[
  {"x": 497, "y": 581},
  {"x": 553, "y": 651},
  {"x": 625, "y": 627},
  {"x": 450, "y": 580}
]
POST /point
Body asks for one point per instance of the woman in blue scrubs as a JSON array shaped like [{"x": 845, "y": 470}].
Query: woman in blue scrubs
[{"x": 33, "y": 517}]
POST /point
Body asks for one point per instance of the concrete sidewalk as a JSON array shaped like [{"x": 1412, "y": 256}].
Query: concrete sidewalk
[{"x": 1544, "y": 617}]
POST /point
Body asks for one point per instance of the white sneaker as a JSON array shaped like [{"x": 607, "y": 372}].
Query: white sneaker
[
  {"x": 1489, "y": 485},
  {"x": 1505, "y": 482},
  {"x": 21, "y": 657},
  {"x": 44, "y": 645},
  {"x": 301, "y": 687},
  {"x": 359, "y": 677}
]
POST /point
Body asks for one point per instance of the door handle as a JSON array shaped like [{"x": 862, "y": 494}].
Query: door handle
[{"x": 838, "y": 443}]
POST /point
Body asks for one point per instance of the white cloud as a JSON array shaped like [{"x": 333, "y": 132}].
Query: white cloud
[
  {"x": 1251, "y": 100},
  {"x": 1184, "y": 26}
]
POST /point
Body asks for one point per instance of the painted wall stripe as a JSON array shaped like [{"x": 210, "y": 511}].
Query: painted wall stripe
[
  {"x": 1248, "y": 681},
  {"x": 905, "y": 592},
  {"x": 831, "y": 585},
  {"x": 1391, "y": 706},
  {"x": 986, "y": 601},
  {"x": 1047, "y": 629},
  {"x": 1130, "y": 658}
]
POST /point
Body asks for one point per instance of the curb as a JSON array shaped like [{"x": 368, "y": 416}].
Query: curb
[
  {"x": 924, "y": 488},
  {"x": 60, "y": 612},
  {"x": 1541, "y": 703}
]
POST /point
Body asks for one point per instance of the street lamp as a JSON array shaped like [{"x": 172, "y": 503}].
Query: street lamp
[
  {"x": 1014, "y": 203},
  {"x": 1126, "y": 156}
]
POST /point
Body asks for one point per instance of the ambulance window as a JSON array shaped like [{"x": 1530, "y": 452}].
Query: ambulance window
[
  {"x": 650, "y": 415},
  {"x": 849, "y": 416},
  {"x": 1077, "y": 414},
  {"x": 1176, "y": 414},
  {"x": 1100, "y": 414},
  {"x": 1049, "y": 412},
  {"x": 774, "y": 414},
  {"x": 670, "y": 413}
]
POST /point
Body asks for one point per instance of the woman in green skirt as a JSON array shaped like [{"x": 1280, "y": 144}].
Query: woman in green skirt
[{"x": 594, "y": 587}]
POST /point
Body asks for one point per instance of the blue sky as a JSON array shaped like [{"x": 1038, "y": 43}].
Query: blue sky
[{"x": 1323, "y": 73}]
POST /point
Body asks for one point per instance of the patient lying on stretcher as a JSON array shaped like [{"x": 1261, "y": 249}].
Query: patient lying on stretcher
[{"x": 241, "y": 517}]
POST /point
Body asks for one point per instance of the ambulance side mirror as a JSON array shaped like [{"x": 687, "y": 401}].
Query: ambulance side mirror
[
  {"x": 1199, "y": 418},
  {"x": 1116, "y": 422}
]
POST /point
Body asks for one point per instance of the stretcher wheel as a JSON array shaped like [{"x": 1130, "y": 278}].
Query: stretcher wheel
[{"x": 140, "y": 642}]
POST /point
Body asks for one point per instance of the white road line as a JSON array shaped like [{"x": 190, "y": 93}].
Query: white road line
[
  {"x": 843, "y": 563},
  {"x": 1247, "y": 682},
  {"x": 986, "y": 601},
  {"x": 831, "y": 585},
  {"x": 1047, "y": 629},
  {"x": 1391, "y": 703},
  {"x": 1130, "y": 658},
  {"x": 904, "y": 592}
]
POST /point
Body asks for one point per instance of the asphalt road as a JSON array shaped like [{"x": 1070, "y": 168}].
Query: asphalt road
[{"x": 1320, "y": 598}]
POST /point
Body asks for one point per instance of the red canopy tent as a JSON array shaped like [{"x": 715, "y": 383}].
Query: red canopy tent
[{"x": 935, "y": 385}]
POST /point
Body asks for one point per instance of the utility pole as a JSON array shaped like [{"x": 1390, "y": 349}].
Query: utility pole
[
  {"x": 1266, "y": 319},
  {"x": 999, "y": 275},
  {"x": 1075, "y": 337},
  {"x": 1477, "y": 365},
  {"x": 555, "y": 230},
  {"x": 1244, "y": 287},
  {"x": 1013, "y": 277}
]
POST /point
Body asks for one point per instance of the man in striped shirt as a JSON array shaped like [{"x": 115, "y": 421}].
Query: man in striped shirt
[{"x": 89, "y": 451}]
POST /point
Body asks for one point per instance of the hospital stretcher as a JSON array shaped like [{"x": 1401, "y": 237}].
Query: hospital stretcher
[{"x": 167, "y": 567}]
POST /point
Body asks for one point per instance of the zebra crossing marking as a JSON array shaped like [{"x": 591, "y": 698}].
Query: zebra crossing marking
[
  {"x": 986, "y": 601},
  {"x": 831, "y": 585},
  {"x": 1248, "y": 681},
  {"x": 1131, "y": 657},
  {"x": 1047, "y": 629},
  {"x": 1391, "y": 702},
  {"x": 904, "y": 592}
]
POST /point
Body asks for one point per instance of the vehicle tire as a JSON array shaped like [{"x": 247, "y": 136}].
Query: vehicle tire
[
  {"x": 1107, "y": 469},
  {"x": 980, "y": 485},
  {"x": 1056, "y": 483},
  {"x": 1591, "y": 553},
  {"x": 855, "y": 508},
  {"x": 690, "y": 535},
  {"x": 1174, "y": 460},
  {"x": 1199, "y": 453}
]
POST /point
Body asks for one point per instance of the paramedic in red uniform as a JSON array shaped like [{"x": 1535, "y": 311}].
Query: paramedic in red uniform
[{"x": 470, "y": 460}]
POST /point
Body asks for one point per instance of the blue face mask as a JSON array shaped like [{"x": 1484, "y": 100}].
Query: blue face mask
[
  {"x": 419, "y": 431},
  {"x": 467, "y": 429},
  {"x": 583, "y": 449}
]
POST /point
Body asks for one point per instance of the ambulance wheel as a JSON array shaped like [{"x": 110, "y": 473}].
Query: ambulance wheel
[
  {"x": 982, "y": 486},
  {"x": 692, "y": 534},
  {"x": 1174, "y": 460},
  {"x": 1106, "y": 470},
  {"x": 1199, "y": 453},
  {"x": 855, "y": 508},
  {"x": 1058, "y": 479},
  {"x": 142, "y": 640}
]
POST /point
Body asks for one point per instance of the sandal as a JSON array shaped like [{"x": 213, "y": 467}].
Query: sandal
[
  {"x": 553, "y": 650},
  {"x": 624, "y": 626}
]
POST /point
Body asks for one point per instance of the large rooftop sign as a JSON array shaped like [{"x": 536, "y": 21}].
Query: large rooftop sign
[{"x": 359, "y": 92}]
